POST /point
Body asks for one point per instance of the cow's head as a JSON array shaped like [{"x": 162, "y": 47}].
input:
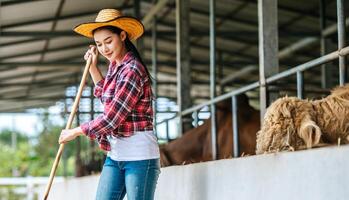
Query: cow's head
[{"x": 226, "y": 105}]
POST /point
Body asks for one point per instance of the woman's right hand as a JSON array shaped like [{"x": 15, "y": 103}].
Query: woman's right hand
[
  {"x": 94, "y": 71},
  {"x": 92, "y": 51}
]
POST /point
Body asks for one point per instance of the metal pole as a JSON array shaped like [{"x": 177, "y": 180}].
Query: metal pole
[
  {"x": 196, "y": 118},
  {"x": 325, "y": 69},
  {"x": 78, "y": 162},
  {"x": 179, "y": 71},
  {"x": 300, "y": 84},
  {"x": 236, "y": 151},
  {"x": 341, "y": 40},
  {"x": 167, "y": 131},
  {"x": 30, "y": 188},
  {"x": 302, "y": 67},
  {"x": 323, "y": 39},
  {"x": 137, "y": 14},
  {"x": 268, "y": 47},
  {"x": 154, "y": 68},
  {"x": 14, "y": 144},
  {"x": 92, "y": 142},
  {"x": 160, "y": 5},
  {"x": 183, "y": 59},
  {"x": 213, "y": 77},
  {"x": 220, "y": 71}
]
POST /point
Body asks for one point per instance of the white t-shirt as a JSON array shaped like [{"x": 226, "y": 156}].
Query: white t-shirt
[{"x": 139, "y": 146}]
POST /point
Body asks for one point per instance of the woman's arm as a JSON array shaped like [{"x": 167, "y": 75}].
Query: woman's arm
[
  {"x": 95, "y": 74},
  {"x": 127, "y": 93},
  {"x": 69, "y": 134},
  {"x": 94, "y": 70}
]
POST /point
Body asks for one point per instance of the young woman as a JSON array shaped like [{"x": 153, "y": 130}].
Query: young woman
[{"x": 125, "y": 129}]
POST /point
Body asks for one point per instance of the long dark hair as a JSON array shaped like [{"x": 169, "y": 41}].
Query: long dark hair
[{"x": 129, "y": 47}]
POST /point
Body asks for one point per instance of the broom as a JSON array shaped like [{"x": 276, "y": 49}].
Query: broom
[{"x": 68, "y": 126}]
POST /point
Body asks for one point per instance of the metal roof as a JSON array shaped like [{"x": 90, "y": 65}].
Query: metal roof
[{"x": 40, "y": 56}]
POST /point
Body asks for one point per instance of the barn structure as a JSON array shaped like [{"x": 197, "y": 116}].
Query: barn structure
[{"x": 199, "y": 53}]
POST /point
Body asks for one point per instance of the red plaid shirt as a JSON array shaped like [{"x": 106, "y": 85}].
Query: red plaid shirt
[{"x": 127, "y": 98}]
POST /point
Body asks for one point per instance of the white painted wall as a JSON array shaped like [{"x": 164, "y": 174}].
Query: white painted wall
[
  {"x": 83, "y": 188},
  {"x": 321, "y": 174}
]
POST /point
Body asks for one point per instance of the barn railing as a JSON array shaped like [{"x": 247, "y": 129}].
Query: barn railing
[
  {"x": 25, "y": 185},
  {"x": 298, "y": 70}
]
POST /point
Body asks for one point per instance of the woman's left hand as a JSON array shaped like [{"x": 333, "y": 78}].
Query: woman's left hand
[{"x": 69, "y": 134}]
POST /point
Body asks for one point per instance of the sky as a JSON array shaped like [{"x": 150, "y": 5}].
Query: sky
[
  {"x": 28, "y": 123},
  {"x": 24, "y": 123}
]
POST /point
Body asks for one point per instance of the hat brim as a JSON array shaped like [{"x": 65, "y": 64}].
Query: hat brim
[{"x": 133, "y": 27}]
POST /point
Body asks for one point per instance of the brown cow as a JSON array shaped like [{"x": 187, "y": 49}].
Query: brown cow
[{"x": 195, "y": 144}]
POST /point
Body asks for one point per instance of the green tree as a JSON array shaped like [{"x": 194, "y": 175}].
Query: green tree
[
  {"x": 14, "y": 158},
  {"x": 6, "y": 136},
  {"x": 46, "y": 150},
  {"x": 35, "y": 156}
]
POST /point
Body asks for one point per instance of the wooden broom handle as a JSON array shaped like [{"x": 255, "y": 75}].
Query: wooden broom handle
[{"x": 68, "y": 126}]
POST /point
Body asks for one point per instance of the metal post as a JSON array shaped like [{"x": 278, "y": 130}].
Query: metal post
[
  {"x": 92, "y": 103},
  {"x": 92, "y": 142},
  {"x": 179, "y": 77},
  {"x": 167, "y": 131},
  {"x": 154, "y": 68},
  {"x": 236, "y": 149},
  {"x": 183, "y": 61},
  {"x": 300, "y": 85},
  {"x": 220, "y": 71},
  {"x": 78, "y": 161},
  {"x": 213, "y": 77},
  {"x": 268, "y": 46},
  {"x": 196, "y": 118},
  {"x": 341, "y": 40},
  {"x": 326, "y": 70},
  {"x": 0, "y": 19},
  {"x": 13, "y": 134},
  {"x": 136, "y": 8},
  {"x": 30, "y": 188},
  {"x": 323, "y": 41},
  {"x": 137, "y": 14},
  {"x": 14, "y": 145}
]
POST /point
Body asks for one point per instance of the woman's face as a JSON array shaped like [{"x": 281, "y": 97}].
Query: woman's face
[{"x": 110, "y": 45}]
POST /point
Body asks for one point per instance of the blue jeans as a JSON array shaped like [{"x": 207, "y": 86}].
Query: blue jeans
[{"x": 136, "y": 178}]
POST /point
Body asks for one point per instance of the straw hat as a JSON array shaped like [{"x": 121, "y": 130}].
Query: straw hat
[{"x": 112, "y": 17}]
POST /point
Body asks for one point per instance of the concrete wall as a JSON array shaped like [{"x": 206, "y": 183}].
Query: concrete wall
[
  {"x": 72, "y": 189},
  {"x": 321, "y": 174}
]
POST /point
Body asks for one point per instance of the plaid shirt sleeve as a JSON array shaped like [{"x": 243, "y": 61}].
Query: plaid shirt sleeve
[
  {"x": 97, "y": 92},
  {"x": 127, "y": 92}
]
